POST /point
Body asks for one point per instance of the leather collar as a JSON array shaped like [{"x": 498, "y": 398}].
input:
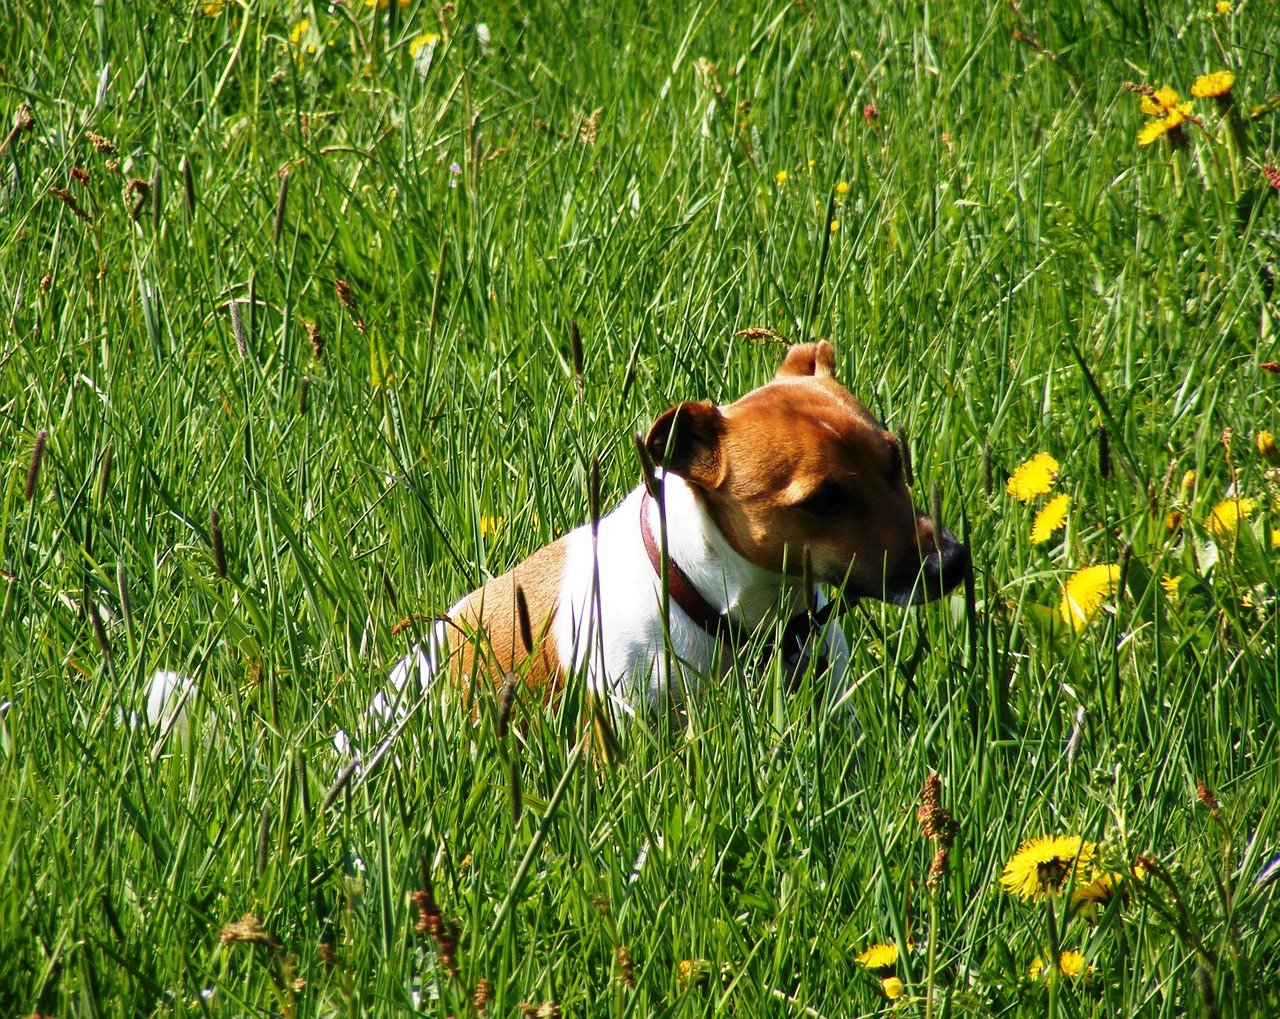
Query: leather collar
[{"x": 719, "y": 624}]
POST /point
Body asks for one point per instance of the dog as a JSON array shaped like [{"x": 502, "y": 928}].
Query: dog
[{"x": 794, "y": 485}]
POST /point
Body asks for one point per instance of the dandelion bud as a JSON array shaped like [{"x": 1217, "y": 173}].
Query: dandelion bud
[
  {"x": 219, "y": 550},
  {"x": 33, "y": 472},
  {"x": 1267, "y": 448}
]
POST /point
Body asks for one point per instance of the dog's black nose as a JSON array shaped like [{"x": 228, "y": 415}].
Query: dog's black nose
[{"x": 948, "y": 566}]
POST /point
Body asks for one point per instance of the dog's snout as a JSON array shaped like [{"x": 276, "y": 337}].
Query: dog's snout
[{"x": 947, "y": 565}]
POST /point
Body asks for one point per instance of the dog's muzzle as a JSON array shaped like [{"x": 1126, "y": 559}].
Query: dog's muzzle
[{"x": 943, "y": 568}]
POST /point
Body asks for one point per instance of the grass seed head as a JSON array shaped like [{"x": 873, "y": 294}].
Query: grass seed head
[
  {"x": 33, "y": 471},
  {"x": 188, "y": 186},
  {"x": 219, "y": 549},
  {"x": 248, "y": 930}
]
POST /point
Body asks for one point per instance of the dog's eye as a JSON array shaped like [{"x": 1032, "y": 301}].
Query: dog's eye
[{"x": 825, "y": 501}]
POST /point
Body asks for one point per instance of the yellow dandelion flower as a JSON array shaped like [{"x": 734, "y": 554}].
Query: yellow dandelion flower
[
  {"x": 1152, "y": 130},
  {"x": 842, "y": 188},
  {"x": 1226, "y": 516},
  {"x": 1043, "y": 865},
  {"x": 1177, "y": 115},
  {"x": 1267, "y": 448},
  {"x": 490, "y": 526},
  {"x": 1035, "y": 477},
  {"x": 780, "y": 176},
  {"x": 692, "y": 971},
  {"x": 1150, "y": 107},
  {"x": 1167, "y": 97},
  {"x": 835, "y": 225},
  {"x": 1050, "y": 519},
  {"x": 212, "y": 8},
  {"x": 1275, "y": 537},
  {"x": 1097, "y": 892},
  {"x": 298, "y": 31},
  {"x": 812, "y": 163},
  {"x": 892, "y": 988},
  {"x": 1170, "y": 585},
  {"x": 878, "y": 957},
  {"x": 1085, "y": 592},
  {"x": 1070, "y": 965},
  {"x": 422, "y": 41},
  {"x": 1210, "y": 86},
  {"x": 1223, "y": 6}
]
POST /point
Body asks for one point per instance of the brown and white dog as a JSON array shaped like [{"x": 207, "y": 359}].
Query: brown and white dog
[{"x": 796, "y": 464}]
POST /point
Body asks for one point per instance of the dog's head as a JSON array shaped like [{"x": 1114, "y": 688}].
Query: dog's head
[{"x": 799, "y": 462}]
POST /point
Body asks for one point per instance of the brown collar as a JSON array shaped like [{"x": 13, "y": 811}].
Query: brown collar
[{"x": 719, "y": 624}]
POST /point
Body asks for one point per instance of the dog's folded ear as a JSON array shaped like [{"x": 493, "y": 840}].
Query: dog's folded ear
[
  {"x": 817, "y": 359},
  {"x": 687, "y": 440}
]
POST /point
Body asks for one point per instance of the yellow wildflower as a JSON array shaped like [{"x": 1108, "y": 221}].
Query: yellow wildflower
[
  {"x": 1170, "y": 585},
  {"x": 842, "y": 188},
  {"x": 878, "y": 958},
  {"x": 1223, "y": 6},
  {"x": 1085, "y": 591},
  {"x": 1035, "y": 477},
  {"x": 892, "y": 987},
  {"x": 1050, "y": 519},
  {"x": 382, "y": 5},
  {"x": 1070, "y": 965},
  {"x": 780, "y": 176},
  {"x": 1098, "y": 892},
  {"x": 212, "y": 8},
  {"x": 812, "y": 163},
  {"x": 835, "y": 225},
  {"x": 692, "y": 971},
  {"x": 1045, "y": 864},
  {"x": 1226, "y": 516},
  {"x": 1210, "y": 86},
  {"x": 299, "y": 30},
  {"x": 1267, "y": 448},
  {"x": 490, "y": 526},
  {"x": 1152, "y": 130},
  {"x": 1275, "y": 537},
  {"x": 422, "y": 41}
]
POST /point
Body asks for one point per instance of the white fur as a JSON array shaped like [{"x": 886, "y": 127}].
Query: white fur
[{"x": 620, "y": 650}]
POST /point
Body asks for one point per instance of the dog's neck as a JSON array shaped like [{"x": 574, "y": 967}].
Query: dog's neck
[{"x": 729, "y": 582}]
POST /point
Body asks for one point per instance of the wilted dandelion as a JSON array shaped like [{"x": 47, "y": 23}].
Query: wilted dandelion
[
  {"x": 1035, "y": 477},
  {"x": 1225, "y": 517},
  {"x": 1085, "y": 592},
  {"x": 1211, "y": 86},
  {"x": 1043, "y": 865},
  {"x": 1050, "y": 519}
]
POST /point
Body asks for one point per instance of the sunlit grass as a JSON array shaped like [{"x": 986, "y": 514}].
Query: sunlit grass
[{"x": 1013, "y": 274}]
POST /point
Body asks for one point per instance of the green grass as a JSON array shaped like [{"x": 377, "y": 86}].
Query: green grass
[{"x": 1011, "y": 272}]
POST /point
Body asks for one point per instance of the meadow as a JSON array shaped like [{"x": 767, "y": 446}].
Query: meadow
[{"x": 286, "y": 367}]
